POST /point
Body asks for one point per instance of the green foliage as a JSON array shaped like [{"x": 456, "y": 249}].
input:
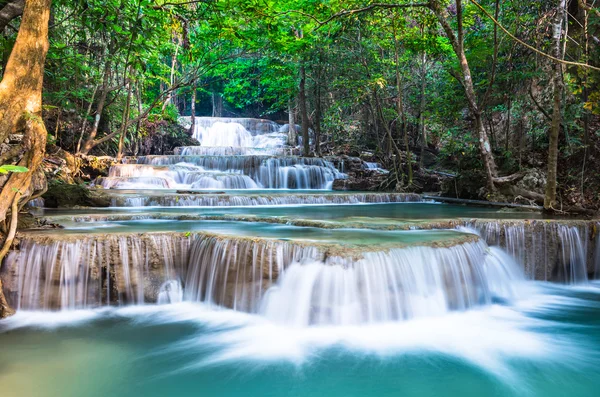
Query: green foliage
[{"x": 5, "y": 169}]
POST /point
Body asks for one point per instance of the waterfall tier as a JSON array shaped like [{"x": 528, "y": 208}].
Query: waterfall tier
[
  {"x": 258, "y": 199},
  {"x": 340, "y": 284},
  {"x": 223, "y": 172},
  {"x": 248, "y": 136}
]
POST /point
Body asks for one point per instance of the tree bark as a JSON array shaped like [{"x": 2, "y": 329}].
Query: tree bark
[
  {"x": 557, "y": 79},
  {"x": 303, "y": 112}
]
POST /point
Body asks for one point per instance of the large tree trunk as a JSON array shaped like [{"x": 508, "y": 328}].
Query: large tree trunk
[
  {"x": 456, "y": 40},
  {"x": 303, "y": 112},
  {"x": 557, "y": 79},
  {"x": 21, "y": 104}
]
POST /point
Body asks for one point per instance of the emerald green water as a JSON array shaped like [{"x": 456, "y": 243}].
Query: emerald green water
[
  {"x": 337, "y": 212},
  {"x": 263, "y": 230},
  {"x": 546, "y": 345}
]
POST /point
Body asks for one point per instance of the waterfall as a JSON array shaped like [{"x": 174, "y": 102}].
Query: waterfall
[
  {"x": 92, "y": 271},
  {"x": 392, "y": 286},
  {"x": 219, "y": 200},
  {"x": 245, "y": 135},
  {"x": 253, "y": 148},
  {"x": 546, "y": 250},
  {"x": 296, "y": 283},
  {"x": 222, "y": 172}
]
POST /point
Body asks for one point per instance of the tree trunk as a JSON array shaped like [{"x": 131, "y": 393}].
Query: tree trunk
[
  {"x": 303, "y": 112},
  {"x": 10, "y": 11},
  {"x": 292, "y": 133},
  {"x": 89, "y": 142},
  {"x": 193, "y": 112},
  {"x": 422, "y": 103},
  {"x": 507, "y": 131},
  {"x": 557, "y": 79},
  {"x": 124, "y": 121},
  {"x": 21, "y": 105},
  {"x": 217, "y": 105},
  {"x": 401, "y": 123},
  {"x": 169, "y": 97},
  {"x": 317, "y": 119},
  {"x": 138, "y": 125},
  {"x": 467, "y": 81}
]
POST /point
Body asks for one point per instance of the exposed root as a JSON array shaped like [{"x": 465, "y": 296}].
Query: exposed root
[{"x": 5, "y": 309}]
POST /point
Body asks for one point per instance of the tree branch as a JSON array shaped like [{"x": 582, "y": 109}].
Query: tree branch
[
  {"x": 509, "y": 34},
  {"x": 11, "y": 11}
]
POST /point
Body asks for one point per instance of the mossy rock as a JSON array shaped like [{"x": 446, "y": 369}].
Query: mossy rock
[{"x": 62, "y": 194}]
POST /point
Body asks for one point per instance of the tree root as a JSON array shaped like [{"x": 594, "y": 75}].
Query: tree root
[{"x": 5, "y": 309}]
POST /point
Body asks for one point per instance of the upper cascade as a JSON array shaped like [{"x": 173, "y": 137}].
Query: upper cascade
[
  {"x": 237, "y": 136},
  {"x": 235, "y": 153}
]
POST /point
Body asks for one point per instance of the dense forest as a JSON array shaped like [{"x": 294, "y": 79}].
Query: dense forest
[{"x": 499, "y": 99}]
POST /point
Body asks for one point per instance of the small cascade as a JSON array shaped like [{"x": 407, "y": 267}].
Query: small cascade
[
  {"x": 137, "y": 182},
  {"x": 222, "y": 200},
  {"x": 170, "y": 292},
  {"x": 546, "y": 250}
]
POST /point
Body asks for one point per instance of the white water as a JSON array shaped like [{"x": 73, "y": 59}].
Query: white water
[
  {"x": 392, "y": 286},
  {"x": 291, "y": 284},
  {"x": 233, "y": 154},
  {"x": 262, "y": 200}
]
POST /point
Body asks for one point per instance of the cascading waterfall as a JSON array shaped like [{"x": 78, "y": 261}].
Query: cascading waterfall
[
  {"x": 297, "y": 284},
  {"x": 241, "y": 151}
]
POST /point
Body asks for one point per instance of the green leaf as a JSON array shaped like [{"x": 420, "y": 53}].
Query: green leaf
[{"x": 4, "y": 169}]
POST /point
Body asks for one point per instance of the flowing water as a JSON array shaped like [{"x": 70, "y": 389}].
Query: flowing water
[{"x": 229, "y": 269}]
